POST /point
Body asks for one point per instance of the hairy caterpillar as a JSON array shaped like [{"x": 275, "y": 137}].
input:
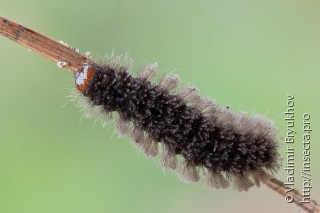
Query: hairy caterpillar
[{"x": 196, "y": 133}]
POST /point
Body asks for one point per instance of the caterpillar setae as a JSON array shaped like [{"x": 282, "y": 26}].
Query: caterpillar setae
[{"x": 195, "y": 133}]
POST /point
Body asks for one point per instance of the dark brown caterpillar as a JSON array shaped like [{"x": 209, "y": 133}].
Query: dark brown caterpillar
[{"x": 195, "y": 132}]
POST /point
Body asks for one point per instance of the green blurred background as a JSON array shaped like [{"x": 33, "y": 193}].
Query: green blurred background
[{"x": 249, "y": 54}]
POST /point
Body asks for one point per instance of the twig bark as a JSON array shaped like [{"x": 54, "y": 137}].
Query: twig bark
[
  {"x": 58, "y": 52},
  {"x": 70, "y": 58},
  {"x": 294, "y": 196}
]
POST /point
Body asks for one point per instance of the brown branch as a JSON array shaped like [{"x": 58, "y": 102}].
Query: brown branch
[
  {"x": 293, "y": 196},
  {"x": 71, "y": 58},
  {"x": 58, "y": 52}
]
